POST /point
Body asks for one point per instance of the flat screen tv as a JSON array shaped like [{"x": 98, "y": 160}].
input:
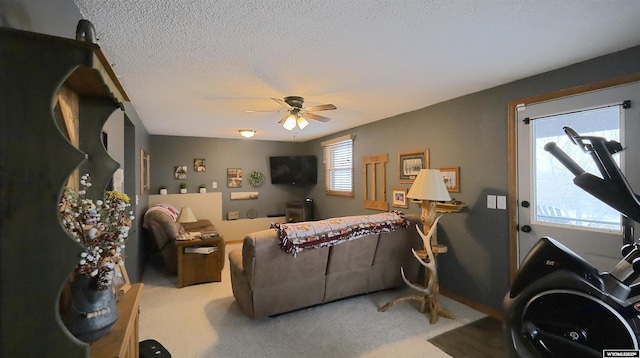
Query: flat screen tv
[{"x": 296, "y": 169}]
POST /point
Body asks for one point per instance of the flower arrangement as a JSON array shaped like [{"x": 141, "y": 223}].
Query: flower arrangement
[{"x": 101, "y": 227}]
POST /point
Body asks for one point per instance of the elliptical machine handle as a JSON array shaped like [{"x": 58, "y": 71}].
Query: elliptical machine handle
[{"x": 553, "y": 148}]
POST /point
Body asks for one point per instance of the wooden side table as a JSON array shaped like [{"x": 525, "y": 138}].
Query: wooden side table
[
  {"x": 196, "y": 268},
  {"x": 122, "y": 341}
]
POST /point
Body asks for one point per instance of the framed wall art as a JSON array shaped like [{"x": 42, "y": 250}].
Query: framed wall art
[
  {"x": 199, "y": 166},
  {"x": 410, "y": 163},
  {"x": 244, "y": 195},
  {"x": 399, "y": 198},
  {"x": 180, "y": 172},
  {"x": 234, "y": 178},
  {"x": 145, "y": 165},
  {"x": 451, "y": 178}
]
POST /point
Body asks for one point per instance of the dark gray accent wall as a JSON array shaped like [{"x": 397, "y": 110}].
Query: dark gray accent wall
[
  {"x": 469, "y": 132},
  {"x": 136, "y": 137},
  {"x": 167, "y": 152}
]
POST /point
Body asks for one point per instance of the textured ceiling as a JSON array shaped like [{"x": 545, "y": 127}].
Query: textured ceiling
[{"x": 193, "y": 68}]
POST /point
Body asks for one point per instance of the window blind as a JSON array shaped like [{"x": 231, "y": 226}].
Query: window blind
[{"x": 338, "y": 165}]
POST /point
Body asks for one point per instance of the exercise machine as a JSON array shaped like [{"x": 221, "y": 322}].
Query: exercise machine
[{"x": 559, "y": 305}]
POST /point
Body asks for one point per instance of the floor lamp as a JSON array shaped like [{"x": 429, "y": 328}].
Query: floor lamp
[{"x": 428, "y": 188}]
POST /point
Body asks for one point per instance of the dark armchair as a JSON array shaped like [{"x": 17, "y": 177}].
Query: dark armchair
[{"x": 160, "y": 221}]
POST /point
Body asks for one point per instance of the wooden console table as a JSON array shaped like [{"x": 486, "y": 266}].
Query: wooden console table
[{"x": 122, "y": 341}]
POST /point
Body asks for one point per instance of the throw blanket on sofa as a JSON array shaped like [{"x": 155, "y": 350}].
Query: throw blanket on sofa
[
  {"x": 165, "y": 208},
  {"x": 297, "y": 237}
]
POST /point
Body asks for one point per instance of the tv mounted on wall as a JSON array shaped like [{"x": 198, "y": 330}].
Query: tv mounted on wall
[{"x": 296, "y": 169}]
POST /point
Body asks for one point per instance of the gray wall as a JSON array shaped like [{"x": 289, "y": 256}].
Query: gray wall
[
  {"x": 469, "y": 132},
  {"x": 136, "y": 137},
  {"x": 167, "y": 152}
]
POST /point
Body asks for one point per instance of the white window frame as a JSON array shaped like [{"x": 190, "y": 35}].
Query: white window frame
[{"x": 338, "y": 165}]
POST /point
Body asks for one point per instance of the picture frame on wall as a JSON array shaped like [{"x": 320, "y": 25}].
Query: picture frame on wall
[
  {"x": 180, "y": 172},
  {"x": 451, "y": 178},
  {"x": 410, "y": 164},
  {"x": 399, "y": 198},
  {"x": 145, "y": 165},
  {"x": 199, "y": 165},
  {"x": 234, "y": 178}
]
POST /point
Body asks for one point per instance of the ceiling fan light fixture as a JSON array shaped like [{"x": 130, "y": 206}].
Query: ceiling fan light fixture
[
  {"x": 247, "y": 133},
  {"x": 290, "y": 123},
  {"x": 302, "y": 122}
]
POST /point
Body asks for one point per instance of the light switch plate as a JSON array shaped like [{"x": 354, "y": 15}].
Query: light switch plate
[
  {"x": 491, "y": 201},
  {"x": 502, "y": 202},
  {"x": 214, "y": 185}
]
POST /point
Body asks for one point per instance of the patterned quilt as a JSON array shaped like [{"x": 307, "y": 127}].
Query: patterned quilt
[
  {"x": 296, "y": 237},
  {"x": 165, "y": 208}
]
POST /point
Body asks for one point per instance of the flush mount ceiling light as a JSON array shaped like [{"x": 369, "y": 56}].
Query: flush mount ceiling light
[{"x": 247, "y": 133}]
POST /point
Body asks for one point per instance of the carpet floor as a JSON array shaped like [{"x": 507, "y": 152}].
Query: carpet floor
[{"x": 204, "y": 321}]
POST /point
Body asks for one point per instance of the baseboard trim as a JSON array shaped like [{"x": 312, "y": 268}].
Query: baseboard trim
[
  {"x": 497, "y": 314},
  {"x": 231, "y": 242}
]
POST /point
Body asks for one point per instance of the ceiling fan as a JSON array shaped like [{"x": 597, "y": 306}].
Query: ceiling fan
[{"x": 297, "y": 114}]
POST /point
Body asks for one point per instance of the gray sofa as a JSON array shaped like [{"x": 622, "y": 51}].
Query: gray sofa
[{"x": 267, "y": 281}]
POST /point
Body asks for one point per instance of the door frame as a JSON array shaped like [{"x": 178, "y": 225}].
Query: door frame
[{"x": 512, "y": 147}]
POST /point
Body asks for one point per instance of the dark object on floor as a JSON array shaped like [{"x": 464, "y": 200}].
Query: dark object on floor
[
  {"x": 153, "y": 349},
  {"x": 479, "y": 339}
]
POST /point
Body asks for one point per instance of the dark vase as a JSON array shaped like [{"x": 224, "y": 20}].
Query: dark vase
[{"x": 88, "y": 313}]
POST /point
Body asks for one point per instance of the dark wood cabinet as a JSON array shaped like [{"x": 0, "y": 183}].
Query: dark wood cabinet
[{"x": 46, "y": 80}]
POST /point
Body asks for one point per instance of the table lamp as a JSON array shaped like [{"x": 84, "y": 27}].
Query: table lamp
[
  {"x": 186, "y": 216},
  {"x": 428, "y": 187}
]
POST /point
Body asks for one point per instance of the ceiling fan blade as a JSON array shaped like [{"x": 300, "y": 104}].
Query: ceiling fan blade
[
  {"x": 262, "y": 110},
  {"x": 322, "y": 107},
  {"x": 284, "y": 118},
  {"x": 316, "y": 117},
  {"x": 282, "y": 102}
]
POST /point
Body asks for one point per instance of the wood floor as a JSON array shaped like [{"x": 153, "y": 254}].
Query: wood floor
[{"x": 479, "y": 339}]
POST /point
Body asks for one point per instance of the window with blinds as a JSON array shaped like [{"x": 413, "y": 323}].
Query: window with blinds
[{"x": 338, "y": 165}]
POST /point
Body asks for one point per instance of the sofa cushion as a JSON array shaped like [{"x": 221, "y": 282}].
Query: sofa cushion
[
  {"x": 266, "y": 265},
  {"x": 359, "y": 253},
  {"x": 347, "y": 283}
]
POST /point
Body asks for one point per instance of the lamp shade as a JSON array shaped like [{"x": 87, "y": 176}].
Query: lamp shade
[
  {"x": 186, "y": 216},
  {"x": 290, "y": 123},
  {"x": 429, "y": 185}
]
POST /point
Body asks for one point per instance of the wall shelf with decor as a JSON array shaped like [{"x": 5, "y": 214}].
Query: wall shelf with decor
[{"x": 56, "y": 95}]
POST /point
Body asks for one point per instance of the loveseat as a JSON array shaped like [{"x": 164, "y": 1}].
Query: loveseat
[
  {"x": 160, "y": 222},
  {"x": 272, "y": 273}
]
